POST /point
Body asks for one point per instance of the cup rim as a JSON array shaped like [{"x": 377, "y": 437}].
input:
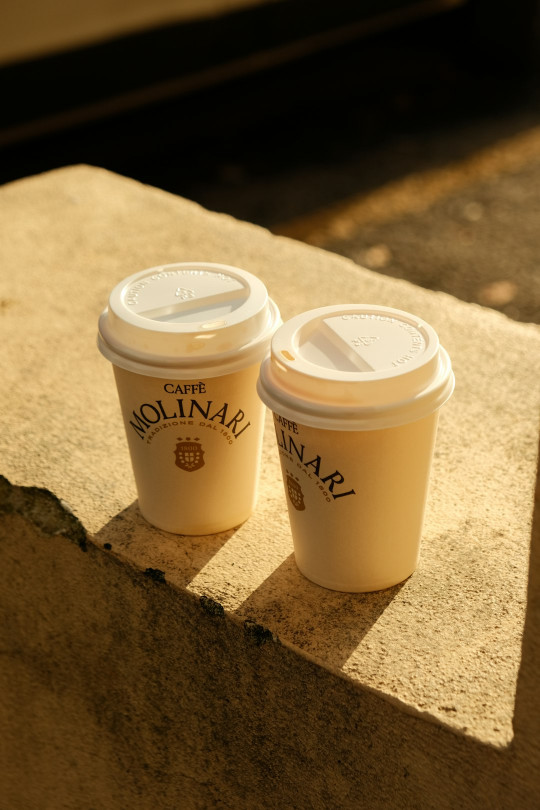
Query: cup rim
[
  {"x": 187, "y": 348},
  {"x": 336, "y": 398}
]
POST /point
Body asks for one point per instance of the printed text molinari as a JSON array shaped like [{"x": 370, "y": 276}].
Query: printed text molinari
[
  {"x": 334, "y": 480},
  {"x": 149, "y": 414}
]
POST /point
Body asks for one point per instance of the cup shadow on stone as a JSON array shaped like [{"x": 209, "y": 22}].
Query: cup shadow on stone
[
  {"x": 326, "y": 625},
  {"x": 180, "y": 557}
]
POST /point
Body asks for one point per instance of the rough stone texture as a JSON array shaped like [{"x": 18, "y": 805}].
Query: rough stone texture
[{"x": 142, "y": 668}]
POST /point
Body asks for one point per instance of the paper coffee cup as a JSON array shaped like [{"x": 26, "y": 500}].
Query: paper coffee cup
[
  {"x": 355, "y": 392},
  {"x": 186, "y": 342}
]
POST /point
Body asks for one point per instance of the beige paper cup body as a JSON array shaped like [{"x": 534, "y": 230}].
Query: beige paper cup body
[
  {"x": 356, "y": 391},
  {"x": 195, "y": 448},
  {"x": 356, "y": 500},
  {"x": 186, "y": 341}
]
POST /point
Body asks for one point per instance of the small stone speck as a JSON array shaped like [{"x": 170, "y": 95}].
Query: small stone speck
[
  {"x": 211, "y": 606},
  {"x": 155, "y": 574},
  {"x": 258, "y": 633}
]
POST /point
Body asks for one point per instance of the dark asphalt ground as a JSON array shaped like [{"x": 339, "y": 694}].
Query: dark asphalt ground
[
  {"x": 429, "y": 171},
  {"x": 415, "y": 152},
  {"x": 470, "y": 228}
]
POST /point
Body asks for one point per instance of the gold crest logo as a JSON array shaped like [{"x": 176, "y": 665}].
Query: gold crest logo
[
  {"x": 294, "y": 490},
  {"x": 189, "y": 454}
]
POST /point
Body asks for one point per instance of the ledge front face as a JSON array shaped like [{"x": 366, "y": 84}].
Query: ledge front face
[{"x": 445, "y": 644}]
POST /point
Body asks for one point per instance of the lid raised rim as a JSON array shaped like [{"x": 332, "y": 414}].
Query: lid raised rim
[
  {"x": 215, "y": 365},
  {"x": 357, "y": 417}
]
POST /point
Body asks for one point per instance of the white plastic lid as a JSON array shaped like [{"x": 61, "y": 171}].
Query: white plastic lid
[
  {"x": 184, "y": 319},
  {"x": 356, "y": 367}
]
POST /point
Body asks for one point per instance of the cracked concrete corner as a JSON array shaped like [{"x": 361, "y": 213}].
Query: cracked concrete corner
[{"x": 44, "y": 509}]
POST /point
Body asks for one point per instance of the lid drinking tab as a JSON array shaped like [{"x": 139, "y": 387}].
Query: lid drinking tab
[
  {"x": 364, "y": 342},
  {"x": 186, "y": 296}
]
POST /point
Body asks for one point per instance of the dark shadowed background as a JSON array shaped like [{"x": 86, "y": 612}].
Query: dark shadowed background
[{"x": 405, "y": 135}]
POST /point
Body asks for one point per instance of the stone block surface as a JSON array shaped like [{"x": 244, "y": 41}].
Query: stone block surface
[{"x": 145, "y": 668}]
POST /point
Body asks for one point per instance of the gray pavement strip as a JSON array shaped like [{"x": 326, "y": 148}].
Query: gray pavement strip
[{"x": 470, "y": 228}]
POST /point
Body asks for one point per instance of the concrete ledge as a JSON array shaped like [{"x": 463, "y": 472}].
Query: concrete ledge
[{"x": 207, "y": 669}]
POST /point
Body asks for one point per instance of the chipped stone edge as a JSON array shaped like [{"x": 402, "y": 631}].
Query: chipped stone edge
[
  {"x": 44, "y": 509},
  {"x": 54, "y": 517}
]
